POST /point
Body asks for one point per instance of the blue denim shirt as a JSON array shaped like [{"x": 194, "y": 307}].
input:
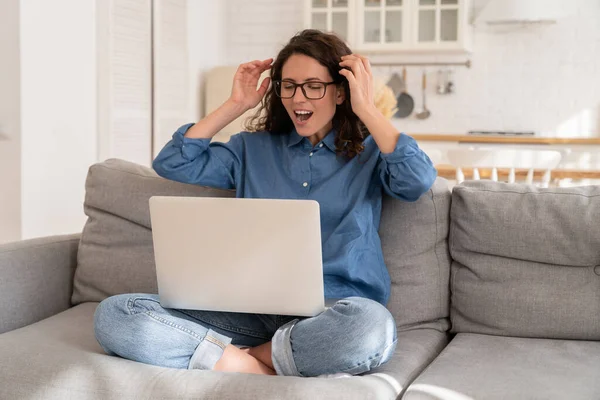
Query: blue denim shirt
[{"x": 349, "y": 193}]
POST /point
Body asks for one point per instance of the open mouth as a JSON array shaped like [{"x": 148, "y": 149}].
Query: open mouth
[{"x": 303, "y": 116}]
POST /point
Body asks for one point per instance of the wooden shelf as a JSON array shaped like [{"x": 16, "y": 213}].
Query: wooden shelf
[
  {"x": 426, "y": 137},
  {"x": 449, "y": 172}
]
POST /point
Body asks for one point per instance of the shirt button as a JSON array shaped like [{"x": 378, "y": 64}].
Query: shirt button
[
  {"x": 321, "y": 145},
  {"x": 311, "y": 153},
  {"x": 305, "y": 184}
]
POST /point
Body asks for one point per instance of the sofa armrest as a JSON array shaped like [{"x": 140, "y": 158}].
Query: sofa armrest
[{"x": 36, "y": 279}]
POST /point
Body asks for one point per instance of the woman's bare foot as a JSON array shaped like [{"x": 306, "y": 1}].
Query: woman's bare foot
[
  {"x": 262, "y": 353},
  {"x": 236, "y": 360}
]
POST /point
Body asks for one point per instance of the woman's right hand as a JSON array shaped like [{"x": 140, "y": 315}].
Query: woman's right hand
[{"x": 244, "y": 93}]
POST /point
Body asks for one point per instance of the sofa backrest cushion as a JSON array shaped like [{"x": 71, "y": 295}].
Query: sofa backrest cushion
[
  {"x": 115, "y": 252},
  {"x": 116, "y": 256},
  {"x": 526, "y": 261},
  {"x": 414, "y": 238}
]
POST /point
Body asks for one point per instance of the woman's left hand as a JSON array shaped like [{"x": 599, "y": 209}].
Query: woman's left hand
[{"x": 360, "y": 80}]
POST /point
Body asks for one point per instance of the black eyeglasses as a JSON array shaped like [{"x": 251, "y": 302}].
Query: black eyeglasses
[{"x": 312, "y": 90}]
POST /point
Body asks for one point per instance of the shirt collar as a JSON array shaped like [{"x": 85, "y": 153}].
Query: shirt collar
[
  {"x": 329, "y": 140},
  {"x": 294, "y": 138}
]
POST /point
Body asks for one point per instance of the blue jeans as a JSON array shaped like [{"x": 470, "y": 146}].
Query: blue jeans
[{"x": 353, "y": 336}]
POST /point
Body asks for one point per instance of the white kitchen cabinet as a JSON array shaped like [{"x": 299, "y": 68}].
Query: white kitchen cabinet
[
  {"x": 332, "y": 16},
  {"x": 440, "y": 25},
  {"x": 383, "y": 25},
  {"x": 427, "y": 26}
]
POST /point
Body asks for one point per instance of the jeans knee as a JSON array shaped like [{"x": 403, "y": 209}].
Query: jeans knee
[
  {"x": 102, "y": 316},
  {"x": 378, "y": 327},
  {"x": 112, "y": 313},
  {"x": 107, "y": 315},
  {"x": 111, "y": 307},
  {"x": 369, "y": 312}
]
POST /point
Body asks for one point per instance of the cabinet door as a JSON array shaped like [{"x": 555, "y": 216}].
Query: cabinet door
[
  {"x": 393, "y": 25},
  {"x": 383, "y": 25},
  {"x": 331, "y": 16},
  {"x": 439, "y": 24}
]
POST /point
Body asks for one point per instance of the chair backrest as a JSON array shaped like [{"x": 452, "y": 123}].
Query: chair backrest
[
  {"x": 511, "y": 159},
  {"x": 217, "y": 90},
  {"x": 435, "y": 155}
]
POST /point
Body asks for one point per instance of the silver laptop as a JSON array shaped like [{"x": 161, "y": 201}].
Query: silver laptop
[{"x": 238, "y": 255}]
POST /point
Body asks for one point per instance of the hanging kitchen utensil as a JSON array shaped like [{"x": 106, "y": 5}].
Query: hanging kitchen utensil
[
  {"x": 396, "y": 84},
  {"x": 449, "y": 83},
  {"x": 442, "y": 82},
  {"x": 424, "y": 113},
  {"x": 406, "y": 104}
]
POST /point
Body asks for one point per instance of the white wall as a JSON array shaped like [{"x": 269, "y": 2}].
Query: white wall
[
  {"x": 205, "y": 24},
  {"x": 54, "y": 71},
  {"x": 259, "y": 29},
  {"x": 540, "y": 78},
  {"x": 58, "y": 113},
  {"x": 49, "y": 104},
  {"x": 10, "y": 123}
]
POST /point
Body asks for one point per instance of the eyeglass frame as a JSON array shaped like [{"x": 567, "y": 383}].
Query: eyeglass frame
[{"x": 301, "y": 85}]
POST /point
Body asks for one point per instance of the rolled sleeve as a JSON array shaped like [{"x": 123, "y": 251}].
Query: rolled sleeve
[
  {"x": 190, "y": 148},
  {"x": 407, "y": 172},
  {"x": 198, "y": 161}
]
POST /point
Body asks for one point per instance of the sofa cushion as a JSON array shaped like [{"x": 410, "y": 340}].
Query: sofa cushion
[
  {"x": 414, "y": 238},
  {"x": 475, "y": 366},
  {"x": 115, "y": 253},
  {"x": 36, "y": 279},
  {"x": 59, "y": 358},
  {"x": 526, "y": 261}
]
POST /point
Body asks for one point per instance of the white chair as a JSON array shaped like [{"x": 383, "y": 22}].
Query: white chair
[
  {"x": 511, "y": 159},
  {"x": 434, "y": 155}
]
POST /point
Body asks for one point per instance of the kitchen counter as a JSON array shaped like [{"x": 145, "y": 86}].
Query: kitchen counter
[
  {"x": 508, "y": 139},
  {"x": 449, "y": 172}
]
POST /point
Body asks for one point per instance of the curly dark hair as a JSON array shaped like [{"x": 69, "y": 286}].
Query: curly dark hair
[{"x": 327, "y": 49}]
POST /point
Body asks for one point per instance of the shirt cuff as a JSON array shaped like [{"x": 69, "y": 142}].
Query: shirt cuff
[
  {"x": 190, "y": 148},
  {"x": 406, "y": 147}
]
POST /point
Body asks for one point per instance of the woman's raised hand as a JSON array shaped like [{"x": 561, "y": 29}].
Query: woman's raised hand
[
  {"x": 244, "y": 92},
  {"x": 357, "y": 69}
]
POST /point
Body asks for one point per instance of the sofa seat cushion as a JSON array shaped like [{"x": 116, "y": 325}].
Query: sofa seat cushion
[
  {"x": 59, "y": 358},
  {"x": 476, "y": 366}
]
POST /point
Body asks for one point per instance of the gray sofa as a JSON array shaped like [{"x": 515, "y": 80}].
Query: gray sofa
[{"x": 515, "y": 269}]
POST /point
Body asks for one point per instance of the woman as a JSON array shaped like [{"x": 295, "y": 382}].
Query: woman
[{"x": 317, "y": 136}]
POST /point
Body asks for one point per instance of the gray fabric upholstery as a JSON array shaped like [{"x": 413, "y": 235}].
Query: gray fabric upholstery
[
  {"x": 59, "y": 358},
  {"x": 414, "y": 241},
  {"x": 36, "y": 279},
  {"x": 416, "y": 350},
  {"x": 115, "y": 254},
  {"x": 525, "y": 260},
  {"x": 484, "y": 367}
]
